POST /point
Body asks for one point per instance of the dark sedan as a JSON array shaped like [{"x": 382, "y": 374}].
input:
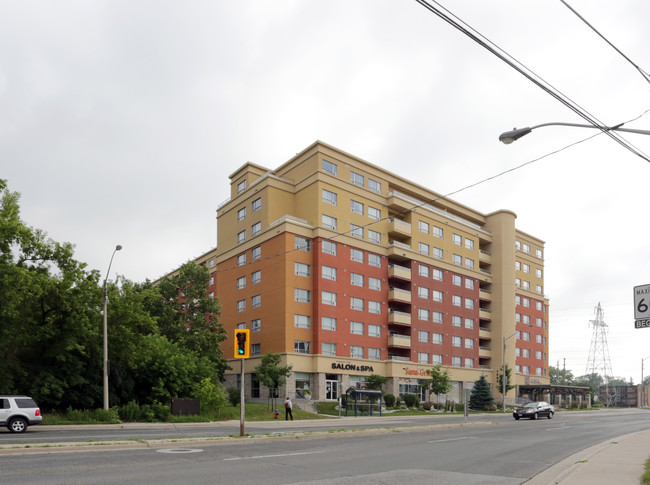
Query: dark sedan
[{"x": 534, "y": 410}]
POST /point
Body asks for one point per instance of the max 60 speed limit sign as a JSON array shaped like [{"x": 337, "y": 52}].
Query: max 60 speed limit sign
[{"x": 642, "y": 306}]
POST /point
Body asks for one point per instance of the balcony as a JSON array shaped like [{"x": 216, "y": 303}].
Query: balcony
[
  {"x": 399, "y": 272},
  {"x": 397, "y": 294},
  {"x": 396, "y": 317},
  {"x": 484, "y": 352},
  {"x": 484, "y": 314},
  {"x": 400, "y": 202},
  {"x": 484, "y": 257},
  {"x": 399, "y": 358},
  {"x": 484, "y": 295},
  {"x": 399, "y": 228},
  {"x": 397, "y": 340},
  {"x": 484, "y": 333}
]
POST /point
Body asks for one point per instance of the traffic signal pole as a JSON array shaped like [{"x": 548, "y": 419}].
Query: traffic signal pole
[
  {"x": 242, "y": 403},
  {"x": 242, "y": 350}
]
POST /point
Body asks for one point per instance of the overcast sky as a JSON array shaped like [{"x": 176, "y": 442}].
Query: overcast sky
[{"x": 120, "y": 122}]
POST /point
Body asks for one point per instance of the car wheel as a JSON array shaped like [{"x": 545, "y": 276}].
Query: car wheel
[
  {"x": 517, "y": 418},
  {"x": 550, "y": 415},
  {"x": 535, "y": 416},
  {"x": 17, "y": 425}
]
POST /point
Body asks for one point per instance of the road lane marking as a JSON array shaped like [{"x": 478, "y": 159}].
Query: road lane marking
[
  {"x": 272, "y": 456},
  {"x": 451, "y": 439}
]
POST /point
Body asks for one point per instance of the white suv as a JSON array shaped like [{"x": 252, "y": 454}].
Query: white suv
[{"x": 18, "y": 412}]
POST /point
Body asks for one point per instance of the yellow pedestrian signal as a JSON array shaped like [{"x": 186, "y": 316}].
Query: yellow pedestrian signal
[{"x": 242, "y": 344}]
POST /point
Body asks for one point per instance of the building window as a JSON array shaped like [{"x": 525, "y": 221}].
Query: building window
[
  {"x": 301, "y": 321},
  {"x": 423, "y": 248},
  {"x": 436, "y": 338},
  {"x": 256, "y": 277},
  {"x": 328, "y": 348},
  {"x": 241, "y": 237},
  {"x": 517, "y": 317},
  {"x": 437, "y": 296},
  {"x": 438, "y": 232},
  {"x": 526, "y": 319},
  {"x": 423, "y": 336},
  {"x": 469, "y": 323},
  {"x": 356, "y": 207},
  {"x": 526, "y": 248},
  {"x": 527, "y": 302},
  {"x": 436, "y": 359},
  {"x": 241, "y": 259},
  {"x": 517, "y": 300},
  {"x": 539, "y": 371},
  {"x": 423, "y": 358},
  {"x": 538, "y": 253},
  {"x": 538, "y": 272},
  {"x": 256, "y": 228},
  {"x": 301, "y": 269},
  {"x": 457, "y": 259},
  {"x": 256, "y": 350},
  {"x": 456, "y": 300},
  {"x": 374, "y": 330},
  {"x": 328, "y": 323},
  {"x": 457, "y": 239},
  {"x": 329, "y": 197},
  {"x": 256, "y": 325},
  {"x": 301, "y": 347},
  {"x": 356, "y": 279},
  {"x": 469, "y": 303},
  {"x": 526, "y": 336},
  {"x": 211, "y": 280},
  {"x": 538, "y": 355},
  {"x": 525, "y": 370},
  {"x": 437, "y": 274},
  {"x": 302, "y": 244},
  {"x": 469, "y": 343},
  {"x": 437, "y": 317},
  {"x": 538, "y": 322},
  {"x": 374, "y": 307},
  {"x": 256, "y": 253},
  {"x": 374, "y": 354},
  {"x": 469, "y": 362},
  {"x": 469, "y": 243},
  {"x": 329, "y": 167},
  {"x": 356, "y": 303},
  {"x": 328, "y": 247},
  {"x": 526, "y": 285},
  {"x": 538, "y": 305},
  {"x": 241, "y": 305},
  {"x": 328, "y": 273},
  {"x": 469, "y": 263},
  {"x": 423, "y": 314},
  {"x": 423, "y": 226},
  {"x": 374, "y": 283},
  {"x": 241, "y": 283},
  {"x": 423, "y": 292},
  {"x": 538, "y": 289},
  {"x": 456, "y": 280},
  {"x": 456, "y": 321},
  {"x": 241, "y": 214},
  {"x": 538, "y": 339},
  {"x": 517, "y": 265},
  {"x": 241, "y": 326},
  {"x": 374, "y": 213},
  {"x": 356, "y": 179},
  {"x": 526, "y": 268},
  {"x": 517, "y": 352},
  {"x": 374, "y": 185},
  {"x": 456, "y": 341},
  {"x": 211, "y": 295},
  {"x": 356, "y": 352},
  {"x": 241, "y": 186},
  {"x": 302, "y": 296},
  {"x": 256, "y": 205},
  {"x": 329, "y": 222},
  {"x": 256, "y": 301},
  {"x": 456, "y": 362},
  {"x": 328, "y": 298},
  {"x": 518, "y": 282},
  {"x": 356, "y": 328},
  {"x": 423, "y": 270},
  {"x": 469, "y": 283},
  {"x": 374, "y": 260},
  {"x": 356, "y": 255},
  {"x": 438, "y": 253},
  {"x": 356, "y": 231},
  {"x": 374, "y": 236}
]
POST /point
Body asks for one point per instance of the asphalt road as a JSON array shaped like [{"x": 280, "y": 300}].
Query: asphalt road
[{"x": 506, "y": 452}]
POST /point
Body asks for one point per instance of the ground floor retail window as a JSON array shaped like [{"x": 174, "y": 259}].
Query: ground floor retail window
[{"x": 255, "y": 386}]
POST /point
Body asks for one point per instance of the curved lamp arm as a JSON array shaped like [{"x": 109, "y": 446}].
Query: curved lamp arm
[{"x": 509, "y": 136}]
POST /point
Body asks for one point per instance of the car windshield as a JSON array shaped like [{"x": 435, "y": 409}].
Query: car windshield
[{"x": 531, "y": 405}]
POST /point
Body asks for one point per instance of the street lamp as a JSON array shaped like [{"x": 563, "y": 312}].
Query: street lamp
[
  {"x": 503, "y": 370},
  {"x": 642, "y": 385},
  {"x": 117, "y": 248},
  {"x": 509, "y": 136}
]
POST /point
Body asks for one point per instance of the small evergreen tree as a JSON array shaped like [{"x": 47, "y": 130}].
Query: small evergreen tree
[{"x": 481, "y": 397}]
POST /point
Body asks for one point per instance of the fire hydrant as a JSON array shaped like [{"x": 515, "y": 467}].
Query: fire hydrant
[{"x": 277, "y": 413}]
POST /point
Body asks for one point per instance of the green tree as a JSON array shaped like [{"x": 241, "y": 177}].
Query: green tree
[
  {"x": 509, "y": 382},
  {"x": 375, "y": 382},
  {"x": 211, "y": 394},
  {"x": 190, "y": 317},
  {"x": 439, "y": 381},
  {"x": 272, "y": 374},
  {"x": 562, "y": 377},
  {"x": 481, "y": 396}
]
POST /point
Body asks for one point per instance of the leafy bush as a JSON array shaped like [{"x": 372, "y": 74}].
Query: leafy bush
[
  {"x": 411, "y": 400},
  {"x": 427, "y": 406},
  {"x": 389, "y": 399},
  {"x": 234, "y": 396}
]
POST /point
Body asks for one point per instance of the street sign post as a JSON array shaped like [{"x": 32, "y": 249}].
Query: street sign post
[{"x": 642, "y": 306}]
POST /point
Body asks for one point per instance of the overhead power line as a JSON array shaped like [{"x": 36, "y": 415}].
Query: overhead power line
[{"x": 444, "y": 14}]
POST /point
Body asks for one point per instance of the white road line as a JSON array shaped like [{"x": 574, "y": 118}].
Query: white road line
[
  {"x": 271, "y": 456},
  {"x": 451, "y": 439}
]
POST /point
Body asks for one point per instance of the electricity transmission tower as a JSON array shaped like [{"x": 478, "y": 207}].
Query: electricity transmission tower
[{"x": 599, "y": 361}]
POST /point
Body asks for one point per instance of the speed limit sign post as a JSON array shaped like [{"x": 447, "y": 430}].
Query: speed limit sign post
[{"x": 642, "y": 306}]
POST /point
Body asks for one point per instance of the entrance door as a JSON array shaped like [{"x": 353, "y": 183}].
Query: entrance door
[{"x": 331, "y": 390}]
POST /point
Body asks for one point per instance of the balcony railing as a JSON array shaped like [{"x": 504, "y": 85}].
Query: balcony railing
[
  {"x": 398, "y": 340},
  {"x": 397, "y": 271},
  {"x": 399, "y": 294},
  {"x": 401, "y": 318}
]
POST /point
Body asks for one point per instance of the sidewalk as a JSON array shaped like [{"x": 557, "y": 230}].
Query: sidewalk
[{"x": 619, "y": 461}]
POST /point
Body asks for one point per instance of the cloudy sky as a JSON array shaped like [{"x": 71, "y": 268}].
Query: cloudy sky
[{"x": 120, "y": 122}]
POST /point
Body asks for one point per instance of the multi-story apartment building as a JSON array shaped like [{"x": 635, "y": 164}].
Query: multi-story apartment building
[{"x": 347, "y": 269}]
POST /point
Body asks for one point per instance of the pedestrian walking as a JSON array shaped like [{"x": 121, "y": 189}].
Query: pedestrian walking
[{"x": 288, "y": 406}]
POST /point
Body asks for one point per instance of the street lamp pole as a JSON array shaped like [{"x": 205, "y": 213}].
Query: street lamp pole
[
  {"x": 503, "y": 370},
  {"x": 117, "y": 248},
  {"x": 509, "y": 136},
  {"x": 642, "y": 385}
]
